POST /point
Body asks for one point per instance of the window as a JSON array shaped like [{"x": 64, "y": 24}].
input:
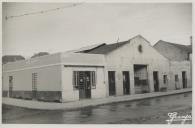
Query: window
[
  {"x": 81, "y": 77},
  {"x": 165, "y": 80},
  {"x": 34, "y": 81},
  {"x": 93, "y": 80},
  {"x": 75, "y": 79},
  {"x": 140, "y": 48},
  {"x": 10, "y": 85},
  {"x": 11, "y": 80}
]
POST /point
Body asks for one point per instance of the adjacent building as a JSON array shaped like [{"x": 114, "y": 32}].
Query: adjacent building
[
  {"x": 180, "y": 57},
  {"x": 124, "y": 68}
]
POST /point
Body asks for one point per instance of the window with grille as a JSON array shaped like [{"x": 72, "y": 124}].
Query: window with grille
[
  {"x": 11, "y": 81},
  {"x": 80, "y": 77},
  {"x": 34, "y": 81}
]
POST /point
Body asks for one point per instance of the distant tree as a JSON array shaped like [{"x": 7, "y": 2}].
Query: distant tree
[
  {"x": 40, "y": 54},
  {"x": 11, "y": 58}
]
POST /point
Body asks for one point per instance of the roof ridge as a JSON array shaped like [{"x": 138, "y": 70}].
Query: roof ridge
[{"x": 118, "y": 42}]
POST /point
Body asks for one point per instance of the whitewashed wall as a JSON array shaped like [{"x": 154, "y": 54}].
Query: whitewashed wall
[
  {"x": 176, "y": 68},
  {"x": 49, "y": 79},
  {"x": 128, "y": 55},
  {"x": 71, "y": 94},
  {"x": 47, "y": 67}
]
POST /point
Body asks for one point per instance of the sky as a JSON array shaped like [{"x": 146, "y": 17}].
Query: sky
[{"x": 91, "y": 23}]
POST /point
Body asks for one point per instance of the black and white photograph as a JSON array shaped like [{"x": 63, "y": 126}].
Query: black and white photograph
[{"x": 97, "y": 63}]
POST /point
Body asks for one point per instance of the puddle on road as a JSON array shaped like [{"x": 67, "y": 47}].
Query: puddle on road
[{"x": 99, "y": 114}]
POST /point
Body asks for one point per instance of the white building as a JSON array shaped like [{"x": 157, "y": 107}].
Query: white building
[{"x": 125, "y": 68}]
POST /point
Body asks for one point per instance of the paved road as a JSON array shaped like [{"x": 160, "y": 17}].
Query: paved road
[{"x": 148, "y": 111}]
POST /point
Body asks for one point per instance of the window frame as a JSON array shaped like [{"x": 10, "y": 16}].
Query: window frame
[
  {"x": 34, "y": 81},
  {"x": 165, "y": 79},
  {"x": 75, "y": 79}
]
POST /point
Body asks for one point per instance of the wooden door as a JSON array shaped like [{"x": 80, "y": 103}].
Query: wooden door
[
  {"x": 81, "y": 85},
  {"x": 156, "y": 81},
  {"x": 111, "y": 81},
  {"x": 84, "y": 84},
  {"x": 88, "y": 84},
  {"x": 184, "y": 79},
  {"x": 126, "y": 83}
]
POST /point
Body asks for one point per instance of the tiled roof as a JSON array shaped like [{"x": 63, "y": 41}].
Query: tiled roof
[
  {"x": 187, "y": 48},
  {"x": 86, "y": 48},
  {"x": 105, "y": 48}
]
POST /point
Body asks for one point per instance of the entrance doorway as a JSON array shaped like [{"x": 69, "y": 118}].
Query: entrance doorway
[
  {"x": 184, "y": 79},
  {"x": 111, "y": 82},
  {"x": 156, "y": 81},
  {"x": 176, "y": 82},
  {"x": 141, "y": 79},
  {"x": 84, "y": 84},
  {"x": 126, "y": 83}
]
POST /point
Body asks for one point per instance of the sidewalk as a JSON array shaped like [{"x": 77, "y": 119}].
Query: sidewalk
[{"x": 85, "y": 103}]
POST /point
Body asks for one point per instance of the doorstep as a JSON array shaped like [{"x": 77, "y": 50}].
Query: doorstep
[{"x": 86, "y": 103}]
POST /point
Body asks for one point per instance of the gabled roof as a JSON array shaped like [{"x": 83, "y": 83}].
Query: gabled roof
[
  {"x": 86, "y": 48},
  {"x": 187, "y": 48},
  {"x": 105, "y": 48}
]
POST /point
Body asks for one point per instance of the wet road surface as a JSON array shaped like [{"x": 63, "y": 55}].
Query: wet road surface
[{"x": 148, "y": 111}]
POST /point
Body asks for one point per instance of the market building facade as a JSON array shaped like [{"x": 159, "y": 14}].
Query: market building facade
[{"x": 124, "y": 68}]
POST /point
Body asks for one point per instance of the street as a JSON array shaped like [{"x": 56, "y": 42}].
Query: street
[{"x": 148, "y": 111}]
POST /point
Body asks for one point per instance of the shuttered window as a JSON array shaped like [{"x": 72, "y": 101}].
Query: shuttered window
[
  {"x": 34, "y": 81},
  {"x": 165, "y": 79},
  {"x": 93, "y": 80},
  {"x": 75, "y": 79}
]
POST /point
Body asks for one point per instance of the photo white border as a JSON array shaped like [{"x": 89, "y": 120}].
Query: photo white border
[{"x": 99, "y": 125}]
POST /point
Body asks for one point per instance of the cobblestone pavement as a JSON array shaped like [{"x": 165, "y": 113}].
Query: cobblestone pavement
[{"x": 147, "y": 111}]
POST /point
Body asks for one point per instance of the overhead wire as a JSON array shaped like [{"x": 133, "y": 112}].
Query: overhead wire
[{"x": 43, "y": 11}]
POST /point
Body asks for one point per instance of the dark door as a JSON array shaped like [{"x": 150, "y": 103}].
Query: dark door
[
  {"x": 84, "y": 85},
  {"x": 10, "y": 85},
  {"x": 111, "y": 82},
  {"x": 87, "y": 85},
  {"x": 184, "y": 79},
  {"x": 81, "y": 85},
  {"x": 126, "y": 83},
  {"x": 156, "y": 81}
]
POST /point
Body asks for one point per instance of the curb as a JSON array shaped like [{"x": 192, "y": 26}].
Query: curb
[{"x": 87, "y": 103}]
